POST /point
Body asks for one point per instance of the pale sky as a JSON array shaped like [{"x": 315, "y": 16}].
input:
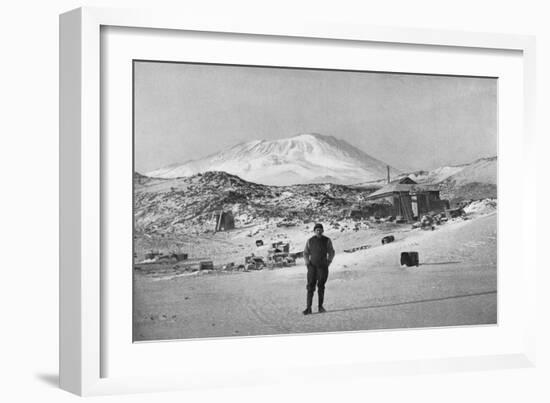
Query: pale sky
[{"x": 188, "y": 111}]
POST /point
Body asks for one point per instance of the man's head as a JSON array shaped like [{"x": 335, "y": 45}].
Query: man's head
[{"x": 318, "y": 229}]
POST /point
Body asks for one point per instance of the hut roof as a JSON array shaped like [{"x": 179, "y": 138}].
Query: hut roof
[
  {"x": 406, "y": 180},
  {"x": 391, "y": 188},
  {"x": 396, "y": 186}
]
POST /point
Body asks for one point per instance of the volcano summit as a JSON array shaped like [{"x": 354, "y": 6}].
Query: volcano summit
[{"x": 302, "y": 159}]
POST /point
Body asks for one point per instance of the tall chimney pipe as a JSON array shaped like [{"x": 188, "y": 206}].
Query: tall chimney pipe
[{"x": 388, "y": 173}]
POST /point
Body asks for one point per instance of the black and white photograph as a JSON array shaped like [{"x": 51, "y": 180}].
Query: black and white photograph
[
  {"x": 275, "y": 200},
  {"x": 279, "y": 201}
]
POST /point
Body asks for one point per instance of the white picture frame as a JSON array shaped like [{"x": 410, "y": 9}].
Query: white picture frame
[{"x": 85, "y": 346}]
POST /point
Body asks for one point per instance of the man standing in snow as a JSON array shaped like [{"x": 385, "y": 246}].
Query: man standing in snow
[{"x": 318, "y": 255}]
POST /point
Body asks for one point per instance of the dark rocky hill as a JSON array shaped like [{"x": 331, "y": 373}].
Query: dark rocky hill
[{"x": 184, "y": 204}]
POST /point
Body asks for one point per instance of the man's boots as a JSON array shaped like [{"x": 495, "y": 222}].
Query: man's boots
[
  {"x": 321, "y": 294},
  {"x": 307, "y": 311}
]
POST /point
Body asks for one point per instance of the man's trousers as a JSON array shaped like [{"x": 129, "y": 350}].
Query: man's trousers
[{"x": 317, "y": 276}]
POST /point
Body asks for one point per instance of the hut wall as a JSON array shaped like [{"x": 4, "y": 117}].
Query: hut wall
[
  {"x": 430, "y": 202},
  {"x": 381, "y": 207},
  {"x": 401, "y": 204},
  {"x": 397, "y": 209},
  {"x": 433, "y": 195},
  {"x": 379, "y": 210},
  {"x": 439, "y": 205},
  {"x": 227, "y": 222},
  {"x": 405, "y": 206},
  {"x": 423, "y": 203},
  {"x": 224, "y": 221}
]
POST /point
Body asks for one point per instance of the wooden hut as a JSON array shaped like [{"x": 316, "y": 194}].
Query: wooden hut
[
  {"x": 409, "y": 199},
  {"x": 224, "y": 220}
]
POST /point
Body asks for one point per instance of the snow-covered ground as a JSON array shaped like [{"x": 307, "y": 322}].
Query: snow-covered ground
[{"x": 455, "y": 284}]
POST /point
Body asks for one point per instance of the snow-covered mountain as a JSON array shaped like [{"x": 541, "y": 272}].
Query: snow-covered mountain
[
  {"x": 483, "y": 170},
  {"x": 477, "y": 180},
  {"x": 303, "y": 159}
]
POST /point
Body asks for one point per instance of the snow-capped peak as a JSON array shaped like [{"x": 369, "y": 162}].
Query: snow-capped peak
[{"x": 304, "y": 158}]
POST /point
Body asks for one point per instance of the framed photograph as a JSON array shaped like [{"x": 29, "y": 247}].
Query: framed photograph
[{"x": 234, "y": 194}]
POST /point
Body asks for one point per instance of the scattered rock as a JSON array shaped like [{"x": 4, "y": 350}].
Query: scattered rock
[
  {"x": 388, "y": 239},
  {"x": 357, "y": 248}
]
